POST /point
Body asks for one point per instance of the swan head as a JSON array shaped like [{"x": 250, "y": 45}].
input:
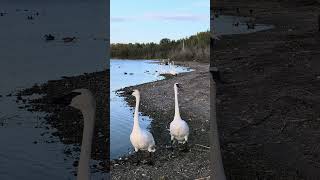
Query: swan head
[
  {"x": 83, "y": 100},
  {"x": 178, "y": 86},
  {"x": 136, "y": 93},
  {"x": 80, "y": 99}
]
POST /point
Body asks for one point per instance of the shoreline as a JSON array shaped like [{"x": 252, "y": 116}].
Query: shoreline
[
  {"x": 66, "y": 120},
  {"x": 167, "y": 164},
  {"x": 267, "y": 107}
]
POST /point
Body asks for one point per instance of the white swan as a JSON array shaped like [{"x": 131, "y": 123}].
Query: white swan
[
  {"x": 83, "y": 100},
  {"x": 179, "y": 129},
  {"x": 86, "y": 103},
  {"x": 140, "y": 139},
  {"x": 172, "y": 69}
]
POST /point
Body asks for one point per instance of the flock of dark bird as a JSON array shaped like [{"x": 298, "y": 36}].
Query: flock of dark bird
[
  {"x": 250, "y": 24},
  {"x": 47, "y": 37}
]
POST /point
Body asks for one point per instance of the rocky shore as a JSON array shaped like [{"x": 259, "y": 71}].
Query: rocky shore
[{"x": 67, "y": 121}]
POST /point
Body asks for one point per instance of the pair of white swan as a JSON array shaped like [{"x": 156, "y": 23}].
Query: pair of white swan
[
  {"x": 179, "y": 130},
  {"x": 141, "y": 139},
  {"x": 171, "y": 70}
]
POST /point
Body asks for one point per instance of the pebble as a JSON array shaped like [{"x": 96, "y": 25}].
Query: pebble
[{"x": 75, "y": 163}]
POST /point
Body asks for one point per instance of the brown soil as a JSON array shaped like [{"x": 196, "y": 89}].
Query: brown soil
[{"x": 268, "y": 107}]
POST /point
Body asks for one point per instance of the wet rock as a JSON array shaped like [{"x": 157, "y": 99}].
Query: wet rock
[
  {"x": 19, "y": 98},
  {"x": 75, "y": 163}
]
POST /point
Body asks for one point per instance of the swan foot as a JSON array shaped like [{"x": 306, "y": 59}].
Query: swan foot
[
  {"x": 150, "y": 162},
  {"x": 185, "y": 147}
]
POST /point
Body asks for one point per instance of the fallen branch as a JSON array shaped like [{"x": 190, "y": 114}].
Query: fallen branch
[
  {"x": 202, "y": 146},
  {"x": 201, "y": 150},
  {"x": 203, "y": 178}
]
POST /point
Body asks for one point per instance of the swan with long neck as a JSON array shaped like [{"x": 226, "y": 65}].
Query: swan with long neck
[
  {"x": 172, "y": 69},
  {"x": 179, "y": 129},
  {"x": 83, "y": 100},
  {"x": 141, "y": 139}
]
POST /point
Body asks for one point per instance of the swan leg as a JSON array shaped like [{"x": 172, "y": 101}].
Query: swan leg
[
  {"x": 150, "y": 159},
  {"x": 172, "y": 143},
  {"x": 186, "y": 146},
  {"x": 138, "y": 157},
  {"x": 185, "y": 139}
]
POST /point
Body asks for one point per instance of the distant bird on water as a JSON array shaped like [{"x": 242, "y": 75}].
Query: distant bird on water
[
  {"x": 49, "y": 37},
  {"x": 68, "y": 39}
]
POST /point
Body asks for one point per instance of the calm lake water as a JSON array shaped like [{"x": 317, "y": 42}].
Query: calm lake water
[
  {"x": 27, "y": 59},
  {"x": 121, "y": 115},
  {"x": 224, "y": 25}
]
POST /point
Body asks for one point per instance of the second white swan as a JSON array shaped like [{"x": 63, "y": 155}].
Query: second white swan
[{"x": 179, "y": 129}]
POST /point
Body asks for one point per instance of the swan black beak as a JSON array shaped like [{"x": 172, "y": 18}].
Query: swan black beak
[{"x": 65, "y": 99}]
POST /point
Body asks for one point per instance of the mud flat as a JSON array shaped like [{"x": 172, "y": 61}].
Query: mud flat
[
  {"x": 68, "y": 121},
  {"x": 157, "y": 101},
  {"x": 268, "y": 104}
]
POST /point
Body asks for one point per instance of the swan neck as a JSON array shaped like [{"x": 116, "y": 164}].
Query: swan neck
[
  {"x": 85, "y": 154},
  {"x": 136, "y": 114},
  {"x": 176, "y": 103}
]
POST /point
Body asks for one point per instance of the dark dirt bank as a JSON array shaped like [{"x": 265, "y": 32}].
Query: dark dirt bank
[
  {"x": 68, "y": 121},
  {"x": 268, "y": 107},
  {"x": 157, "y": 101}
]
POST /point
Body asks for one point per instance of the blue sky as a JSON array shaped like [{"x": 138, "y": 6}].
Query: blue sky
[{"x": 151, "y": 20}]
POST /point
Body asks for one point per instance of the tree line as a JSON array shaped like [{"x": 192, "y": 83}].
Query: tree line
[{"x": 196, "y": 47}]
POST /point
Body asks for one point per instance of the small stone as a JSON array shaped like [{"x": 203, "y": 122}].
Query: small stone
[{"x": 75, "y": 163}]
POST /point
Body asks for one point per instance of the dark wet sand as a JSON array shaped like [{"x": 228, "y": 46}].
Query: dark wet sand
[{"x": 268, "y": 108}]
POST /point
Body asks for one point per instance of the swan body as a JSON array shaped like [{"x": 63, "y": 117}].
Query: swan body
[
  {"x": 141, "y": 139},
  {"x": 179, "y": 129},
  {"x": 172, "y": 69}
]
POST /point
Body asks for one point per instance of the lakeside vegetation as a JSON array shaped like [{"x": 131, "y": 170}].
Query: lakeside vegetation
[{"x": 196, "y": 47}]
